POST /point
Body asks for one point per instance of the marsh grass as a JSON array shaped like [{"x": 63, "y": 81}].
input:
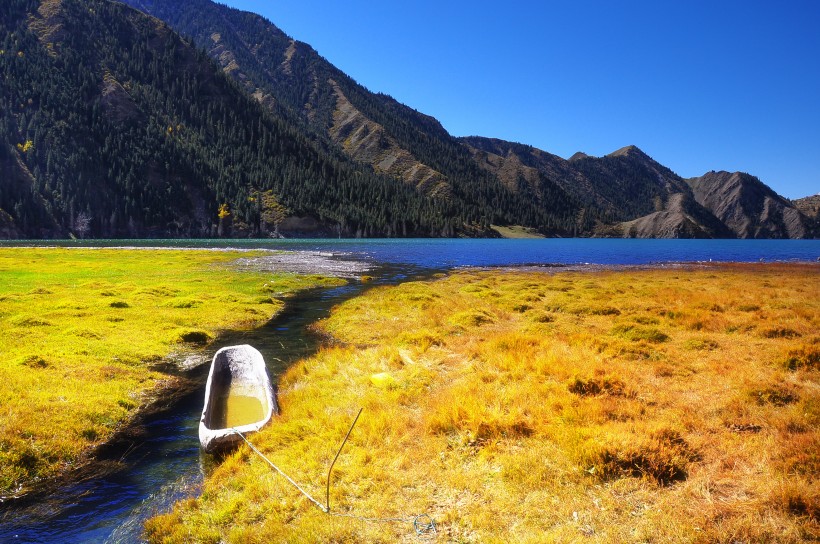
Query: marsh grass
[
  {"x": 82, "y": 331},
  {"x": 672, "y": 415}
]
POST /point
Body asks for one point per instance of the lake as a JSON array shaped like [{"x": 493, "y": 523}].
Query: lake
[{"x": 439, "y": 253}]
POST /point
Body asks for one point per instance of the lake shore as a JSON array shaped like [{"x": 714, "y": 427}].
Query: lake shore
[{"x": 523, "y": 405}]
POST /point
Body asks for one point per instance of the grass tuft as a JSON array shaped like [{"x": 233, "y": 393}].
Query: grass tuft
[
  {"x": 24, "y": 321},
  {"x": 637, "y": 334},
  {"x": 187, "y": 303},
  {"x": 471, "y": 318},
  {"x": 701, "y": 344},
  {"x": 604, "y": 385},
  {"x": 776, "y": 396},
  {"x": 194, "y": 336},
  {"x": 663, "y": 457},
  {"x": 780, "y": 332},
  {"x": 805, "y": 357},
  {"x": 34, "y": 361}
]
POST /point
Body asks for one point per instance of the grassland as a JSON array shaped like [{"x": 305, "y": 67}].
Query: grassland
[
  {"x": 632, "y": 406},
  {"x": 516, "y": 231},
  {"x": 85, "y": 331}
]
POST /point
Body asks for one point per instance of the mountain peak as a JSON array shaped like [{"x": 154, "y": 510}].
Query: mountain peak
[
  {"x": 578, "y": 156},
  {"x": 628, "y": 151}
]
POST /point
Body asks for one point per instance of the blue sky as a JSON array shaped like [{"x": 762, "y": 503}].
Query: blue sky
[{"x": 698, "y": 85}]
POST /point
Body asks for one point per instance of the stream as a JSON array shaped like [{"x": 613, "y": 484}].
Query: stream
[{"x": 165, "y": 464}]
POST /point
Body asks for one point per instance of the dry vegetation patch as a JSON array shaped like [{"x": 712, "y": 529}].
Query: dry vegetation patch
[{"x": 662, "y": 411}]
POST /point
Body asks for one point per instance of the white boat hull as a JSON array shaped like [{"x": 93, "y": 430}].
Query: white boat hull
[{"x": 235, "y": 370}]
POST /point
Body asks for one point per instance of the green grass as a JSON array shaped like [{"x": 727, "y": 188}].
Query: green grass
[
  {"x": 516, "y": 231},
  {"x": 83, "y": 330}
]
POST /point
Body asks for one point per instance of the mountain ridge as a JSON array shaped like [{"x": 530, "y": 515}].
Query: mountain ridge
[
  {"x": 318, "y": 154},
  {"x": 127, "y": 130}
]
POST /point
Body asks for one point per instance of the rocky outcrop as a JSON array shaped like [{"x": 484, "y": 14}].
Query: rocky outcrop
[
  {"x": 682, "y": 217},
  {"x": 366, "y": 141},
  {"x": 749, "y": 207},
  {"x": 116, "y": 101},
  {"x": 809, "y": 206}
]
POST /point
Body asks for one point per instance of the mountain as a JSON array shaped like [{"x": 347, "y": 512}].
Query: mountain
[
  {"x": 681, "y": 217},
  {"x": 809, "y": 206},
  {"x": 113, "y": 125},
  {"x": 630, "y": 181},
  {"x": 189, "y": 118},
  {"x": 749, "y": 207},
  {"x": 291, "y": 78},
  {"x": 545, "y": 179},
  {"x": 625, "y": 193}
]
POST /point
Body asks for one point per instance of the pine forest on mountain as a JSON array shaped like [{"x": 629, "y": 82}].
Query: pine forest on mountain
[{"x": 208, "y": 121}]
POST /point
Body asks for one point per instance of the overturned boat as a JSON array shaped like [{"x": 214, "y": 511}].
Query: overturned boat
[{"x": 238, "y": 397}]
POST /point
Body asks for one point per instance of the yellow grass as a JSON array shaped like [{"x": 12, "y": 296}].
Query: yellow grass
[
  {"x": 634, "y": 406},
  {"x": 83, "y": 330}
]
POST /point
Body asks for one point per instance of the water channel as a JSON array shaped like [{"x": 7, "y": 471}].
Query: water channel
[{"x": 163, "y": 463}]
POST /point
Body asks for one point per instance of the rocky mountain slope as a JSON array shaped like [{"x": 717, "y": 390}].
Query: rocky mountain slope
[
  {"x": 749, "y": 207},
  {"x": 809, "y": 206},
  {"x": 638, "y": 197},
  {"x": 681, "y": 217},
  {"x": 291, "y": 78},
  {"x": 113, "y": 125}
]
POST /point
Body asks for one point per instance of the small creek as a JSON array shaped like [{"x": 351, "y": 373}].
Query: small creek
[{"x": 164, "y": 463}]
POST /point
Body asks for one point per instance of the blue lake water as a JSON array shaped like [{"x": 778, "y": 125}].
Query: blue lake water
[{"x": 447, "y": 253}]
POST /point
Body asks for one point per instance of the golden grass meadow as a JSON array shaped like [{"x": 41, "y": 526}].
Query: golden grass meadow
[
  {"x": 85, "y": 334},
  {"x": 663, "y": 405}
]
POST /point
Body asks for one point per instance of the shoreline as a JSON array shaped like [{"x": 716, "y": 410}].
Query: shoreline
[{"x": 107, "y": 457}]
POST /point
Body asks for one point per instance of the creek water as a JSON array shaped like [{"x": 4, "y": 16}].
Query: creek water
[{"x": 165, "y": 464}]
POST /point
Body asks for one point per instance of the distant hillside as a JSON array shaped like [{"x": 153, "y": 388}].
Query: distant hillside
[
  {"x": 809, "y": 206},
  {"x": 631, "y": 181},
  {"x": 543, "y": 178},
  {"x": 627, "y": 193},
  {"x": 681, "y": 217},
  {"x": 749, "y": 207},
  {"x": 372, "y": 128},
  {"x": 112, "y": 125}
]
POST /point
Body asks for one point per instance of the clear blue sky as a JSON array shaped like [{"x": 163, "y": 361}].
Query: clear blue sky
[{"x": 698, "y": 85}]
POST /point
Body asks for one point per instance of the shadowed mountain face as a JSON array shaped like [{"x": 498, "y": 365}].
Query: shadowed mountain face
[
  {"x": 113, "y": 125},
  {"x": 681, "y": 217},
  {"x": 291, "y": 78},
  {"x": 748, "y": 207}
]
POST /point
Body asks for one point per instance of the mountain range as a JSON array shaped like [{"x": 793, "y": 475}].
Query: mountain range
[{"x": 187, "y": 118}]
